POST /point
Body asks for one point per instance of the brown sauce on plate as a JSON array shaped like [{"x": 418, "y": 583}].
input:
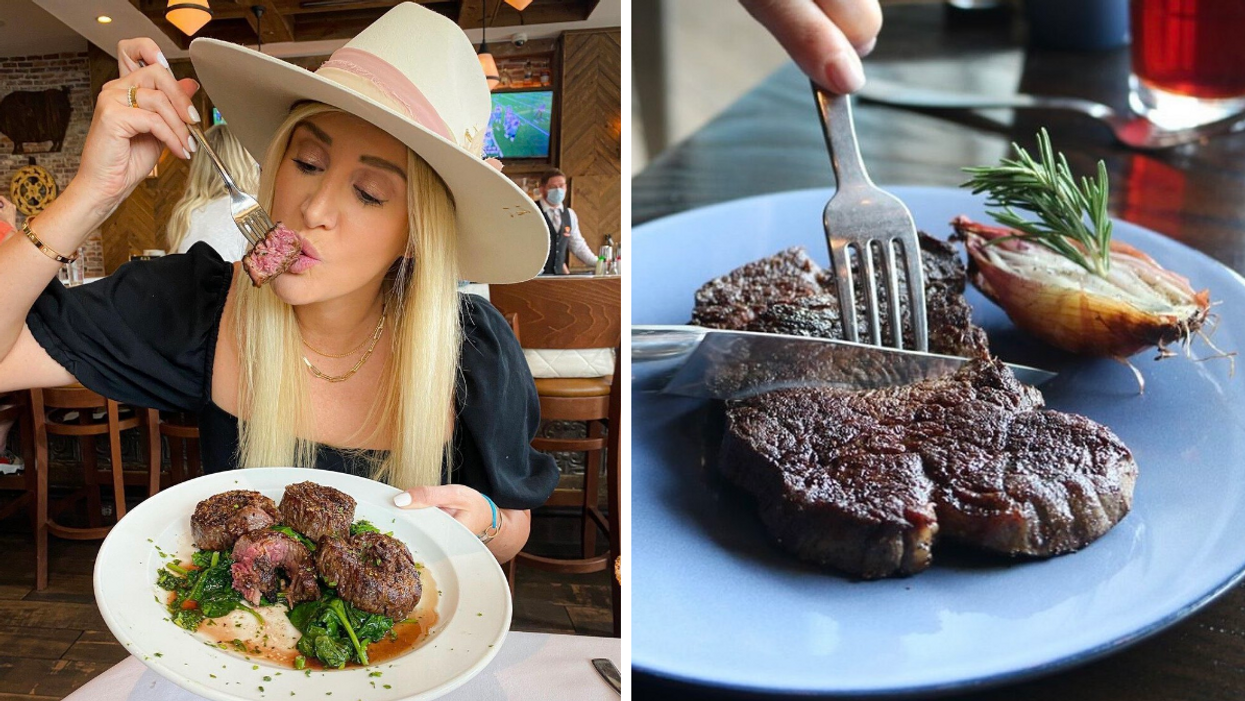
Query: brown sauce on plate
[{"x": 240, "y": 634}]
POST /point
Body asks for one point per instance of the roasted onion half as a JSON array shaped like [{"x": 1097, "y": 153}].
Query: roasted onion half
[{"x": 1138, "y": 304}]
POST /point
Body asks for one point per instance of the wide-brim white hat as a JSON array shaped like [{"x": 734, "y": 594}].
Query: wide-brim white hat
[{"x": 414, "y": 74}]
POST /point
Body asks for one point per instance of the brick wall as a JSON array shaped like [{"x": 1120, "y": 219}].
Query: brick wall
[{"x": 40, "y": 73}]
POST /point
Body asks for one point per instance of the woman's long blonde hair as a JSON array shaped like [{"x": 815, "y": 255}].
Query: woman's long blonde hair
[
  {"x": 413, "y": 404},
  {"x": 203, "y": 184}
]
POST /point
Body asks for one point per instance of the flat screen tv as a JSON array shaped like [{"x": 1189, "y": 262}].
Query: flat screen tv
[{"x": 519, "y": 125}]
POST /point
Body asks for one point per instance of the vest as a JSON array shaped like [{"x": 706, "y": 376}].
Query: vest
[{"x": 558, "y": 239}]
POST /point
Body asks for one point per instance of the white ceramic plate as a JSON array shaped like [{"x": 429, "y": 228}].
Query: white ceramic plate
[{"x": 474, "y": 608}]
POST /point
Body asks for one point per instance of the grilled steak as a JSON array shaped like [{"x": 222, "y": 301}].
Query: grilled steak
[
  {"x": 374, "y": 572},
  {"x": 219, "y": 520},
  {"x": 790, "y": 293},
  {"x": 273, "y": 255},
  {"x": 258, "y": 555},
  {"x": 317, "y": 511},
  {"x": 865, "y": 481}
]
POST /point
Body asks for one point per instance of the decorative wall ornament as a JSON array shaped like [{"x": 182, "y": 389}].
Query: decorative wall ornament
[
  {"x": 31, "y": 117},
  {"x": 32, "y": 188}
]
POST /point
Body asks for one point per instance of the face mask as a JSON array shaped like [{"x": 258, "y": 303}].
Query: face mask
[{"x": 554, "y": 196}]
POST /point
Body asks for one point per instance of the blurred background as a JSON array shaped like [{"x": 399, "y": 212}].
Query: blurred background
[{"x": 692, "y": 58}]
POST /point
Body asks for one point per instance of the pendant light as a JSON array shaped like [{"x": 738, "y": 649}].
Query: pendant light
[
  {"x": 487, "y": 62},
  {"x": 188, "y": 15},
  {"x": 519, "y": 5},
  {"x": 259, "y": 27}
]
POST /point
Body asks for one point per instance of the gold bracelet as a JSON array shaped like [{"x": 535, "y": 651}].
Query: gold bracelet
[{"x": 43, "y": 247}]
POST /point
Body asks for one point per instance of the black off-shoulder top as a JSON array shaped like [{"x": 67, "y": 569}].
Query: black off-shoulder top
[{"x": 146, "y": 335}]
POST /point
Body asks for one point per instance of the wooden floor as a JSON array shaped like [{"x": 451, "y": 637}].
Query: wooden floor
[{"x": 54, "y": 641}]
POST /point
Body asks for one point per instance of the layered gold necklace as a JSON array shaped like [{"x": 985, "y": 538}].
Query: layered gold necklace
[{"x": 369, "y": 342}]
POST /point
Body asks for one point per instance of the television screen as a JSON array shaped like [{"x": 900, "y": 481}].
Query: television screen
[{"x": 519, "y": 125}]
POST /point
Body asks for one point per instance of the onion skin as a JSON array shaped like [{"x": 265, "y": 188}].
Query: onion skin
[{"x": 1059, "y": 310}]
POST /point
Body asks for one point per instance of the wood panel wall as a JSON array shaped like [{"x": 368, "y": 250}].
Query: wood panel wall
[{"x": 590, "y": 149}]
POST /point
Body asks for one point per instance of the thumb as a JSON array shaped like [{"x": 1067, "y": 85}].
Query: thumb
[
  {"x": 816, "y": 43},
  {"x": 420, "y": 498}
]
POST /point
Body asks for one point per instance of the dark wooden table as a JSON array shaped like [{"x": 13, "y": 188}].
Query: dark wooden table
[{"x": 771, "y": 141}]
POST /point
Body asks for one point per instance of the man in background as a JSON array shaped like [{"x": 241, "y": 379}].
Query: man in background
[{"x": 563, "y": 225}]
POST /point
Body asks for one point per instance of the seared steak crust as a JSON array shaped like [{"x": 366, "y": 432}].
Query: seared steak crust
[
  {"x": 220, "y": 520},
  {"x": 317, "y": 511},
  {"x": 376, "y": 573},
  {"x": 259, "y": 554},
  {"x": 790, "y": 293},
  {"x": 864, "y": 481},
  {"x": 828, "y": 490}
]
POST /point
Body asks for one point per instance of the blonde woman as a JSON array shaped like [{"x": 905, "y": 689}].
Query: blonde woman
[
  {"x": 363, "y": 357},
  {"x": 202, "y": 214}
]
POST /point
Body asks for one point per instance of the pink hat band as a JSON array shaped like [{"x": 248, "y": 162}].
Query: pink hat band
[{"x": 392, "y": 83}]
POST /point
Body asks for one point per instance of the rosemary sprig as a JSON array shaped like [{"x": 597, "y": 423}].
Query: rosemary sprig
[{"x": 1072, "y": 219}]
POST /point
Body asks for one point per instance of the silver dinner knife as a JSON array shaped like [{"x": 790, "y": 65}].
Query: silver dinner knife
[
  {"x": 718, "y": 364},
  {"x": 609, "y": 673}
]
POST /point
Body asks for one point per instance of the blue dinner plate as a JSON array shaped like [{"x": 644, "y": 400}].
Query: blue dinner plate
[{"x": 715, "y": 603}]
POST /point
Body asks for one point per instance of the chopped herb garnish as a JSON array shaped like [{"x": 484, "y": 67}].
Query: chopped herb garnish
[{"x": 363, "y": 526}]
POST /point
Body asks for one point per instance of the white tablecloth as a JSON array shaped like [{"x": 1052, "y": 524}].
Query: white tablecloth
[{"x": 529, "y": 667}]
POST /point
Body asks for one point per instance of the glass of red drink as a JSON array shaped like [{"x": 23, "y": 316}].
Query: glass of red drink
[{"x": 1188, "y": 60}]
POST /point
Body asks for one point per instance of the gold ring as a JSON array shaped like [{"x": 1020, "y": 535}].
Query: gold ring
[{"x": 132, "y": 96}]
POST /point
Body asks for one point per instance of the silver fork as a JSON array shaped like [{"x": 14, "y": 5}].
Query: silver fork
[
  {"x": 252, "y": 220},
  {"x": 863, "y": 219}
]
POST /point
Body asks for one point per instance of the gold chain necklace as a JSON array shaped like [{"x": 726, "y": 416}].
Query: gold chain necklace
[
  {"x": 348, "y": 353},
  {"x": 315, "y": 371}
]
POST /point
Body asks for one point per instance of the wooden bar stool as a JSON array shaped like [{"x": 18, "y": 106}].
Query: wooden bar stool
[
  {"x": 87, "y": 428},
  {"x": 182, "y": 431},
  {"x": 575, "y": 313},
  {"x": 613, "y": 476},
  {"x": 19, "y": 412}
]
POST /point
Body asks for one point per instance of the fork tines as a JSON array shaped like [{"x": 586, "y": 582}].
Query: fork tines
[
  {"x": 850, "y": 256},
  {"x": 254, "y": 224}
]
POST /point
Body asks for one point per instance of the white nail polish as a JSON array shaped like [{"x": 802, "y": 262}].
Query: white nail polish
[
  {"x": 190, "y": 141},
  {"x": 402, "y": 499},
  {"x": 186, "y": 154},
  {"x": 163, "y": 61},
  {"x": 194, "y": 114}
]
